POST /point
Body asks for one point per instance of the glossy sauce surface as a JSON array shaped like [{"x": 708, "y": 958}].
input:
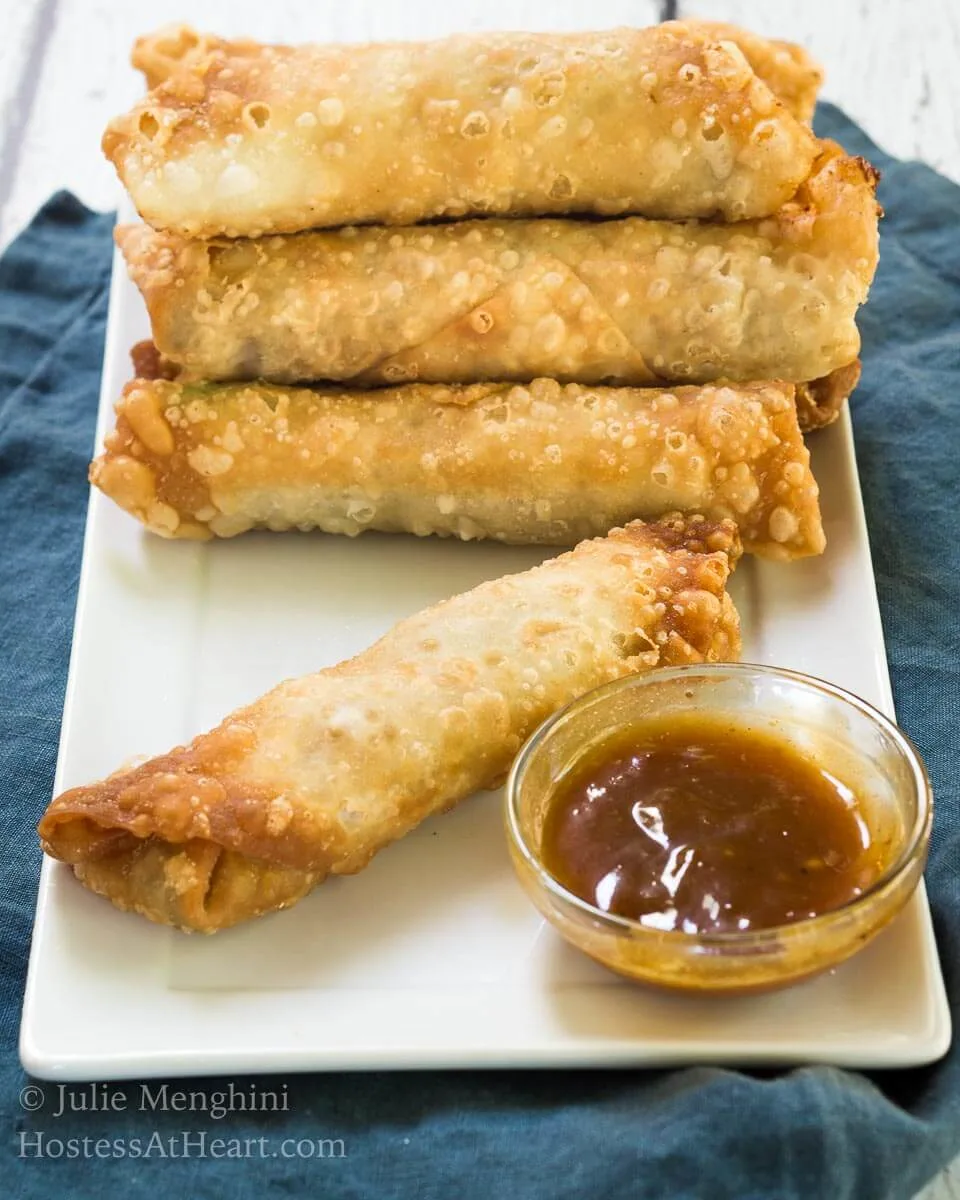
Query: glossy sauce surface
[{"x": 699, "y": 825}]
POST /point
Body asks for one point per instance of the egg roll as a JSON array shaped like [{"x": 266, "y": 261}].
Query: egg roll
[
  {"x": 629, "y": 302},
  {"x": 547, "y": 463},
  {"x": 241, "y": 139},
  {"x": 322, "y": 772}
]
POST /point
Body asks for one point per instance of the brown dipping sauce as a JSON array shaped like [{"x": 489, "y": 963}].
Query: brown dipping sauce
[{"x": 701, "y": 826}]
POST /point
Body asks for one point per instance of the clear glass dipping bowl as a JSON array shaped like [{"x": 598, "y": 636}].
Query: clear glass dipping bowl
[{"x": 844, "y": 734}]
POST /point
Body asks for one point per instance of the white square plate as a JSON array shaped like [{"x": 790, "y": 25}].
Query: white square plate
[{"x": 431, "y": 957}]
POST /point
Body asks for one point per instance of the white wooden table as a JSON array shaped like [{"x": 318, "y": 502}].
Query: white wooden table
[{"x": 892, "y": 65}]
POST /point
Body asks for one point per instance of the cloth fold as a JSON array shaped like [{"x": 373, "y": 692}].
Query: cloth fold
[{"x": 812, "y": 1132}]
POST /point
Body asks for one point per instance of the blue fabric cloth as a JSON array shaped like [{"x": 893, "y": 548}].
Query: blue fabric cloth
[{"x": 815, "y": 1132}]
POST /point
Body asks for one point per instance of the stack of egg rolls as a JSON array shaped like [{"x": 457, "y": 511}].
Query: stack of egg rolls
[
  {"x": 628, "y": 301},
  {"x": 564, "y": 289},
  {"x": 286, "y": 190}
]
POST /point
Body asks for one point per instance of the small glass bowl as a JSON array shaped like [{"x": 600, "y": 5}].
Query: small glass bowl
[{"x": 841, "y": 732}]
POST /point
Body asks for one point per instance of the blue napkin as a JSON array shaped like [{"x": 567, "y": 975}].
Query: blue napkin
[{"x": 815, "y": 1132}]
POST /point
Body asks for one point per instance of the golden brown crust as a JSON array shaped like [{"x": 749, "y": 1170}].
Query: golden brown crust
[
  {"x": 322, "y": 772},
  {"x": 149, "y": 363},
  {"x": 545, "y": 463},
  {"x": 241, "y": 139},
  {"x": 196, "y": 885},
  {"x": 628, "y": 302},
  {"x": 821, "y": 401},
  {"x": 787, "y": 69}
]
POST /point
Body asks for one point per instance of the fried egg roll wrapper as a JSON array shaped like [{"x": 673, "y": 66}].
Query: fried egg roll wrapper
[
  {"x": 242, "y": 139},
  {"x": 819, "y": 401},
  {"x": 787, "y": 69},
  {"x": 629, "y": 302},
  {"x": 539, "y": 464},
  {"x": 322, "y": 772}
]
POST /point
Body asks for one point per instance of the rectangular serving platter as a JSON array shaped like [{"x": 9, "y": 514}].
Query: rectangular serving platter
[{"x": 431, "y": 957}]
